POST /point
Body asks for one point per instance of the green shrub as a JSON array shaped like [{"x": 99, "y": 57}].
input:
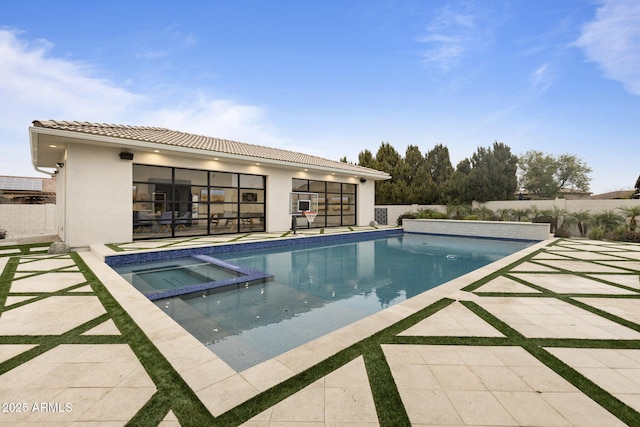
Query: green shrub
[
  {"x": 596, "y": 233},
  {"x": 630, "y": 236},
  {"x": 408, "y": 215},
  {"x": 561, "y": 232},
  {"x": 439, "y": 215},
  {"x": 471, "y": 217}
]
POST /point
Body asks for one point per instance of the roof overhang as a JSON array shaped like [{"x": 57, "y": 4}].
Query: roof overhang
[{"x": 48, "y": 147}]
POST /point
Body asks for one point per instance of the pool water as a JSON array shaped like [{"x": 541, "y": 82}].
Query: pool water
[
  {"x": 176, "y": 273},
  {"x": 320, "y": 288}
]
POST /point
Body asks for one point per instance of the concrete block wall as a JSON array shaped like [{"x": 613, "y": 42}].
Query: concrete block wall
[
  {"x": 593, "y": 206},
  {"x": 28, "y": 220},
  {"x": 493, "y": 229}
]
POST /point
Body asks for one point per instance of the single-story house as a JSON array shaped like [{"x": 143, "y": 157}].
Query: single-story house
[{"x": 120, "y": 183}]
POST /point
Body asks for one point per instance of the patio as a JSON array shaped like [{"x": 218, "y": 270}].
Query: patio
[{"x": 547, "y": 336}]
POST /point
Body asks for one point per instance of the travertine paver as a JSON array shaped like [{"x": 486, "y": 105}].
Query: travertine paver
[
  {"x": 624, "y": 308},
  {"x": 568, "y": 283},
  {"x": 505, "y": 284},
  {"x": 44, "y": 317},
  {"x": 552, "y": 318},
  {"x": 454, "y": 320},
  {"x": 343, "y": 396},
  {"x": 47, "y": 282},
  {"x": 615, "y": 370},
  {"x": 581, "y": 266},
  {"x": 84, "y": 379},
  {"x": 470, "y": 385}
]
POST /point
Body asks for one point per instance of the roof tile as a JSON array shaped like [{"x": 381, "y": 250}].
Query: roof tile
[{"x": 182, "y": 139}]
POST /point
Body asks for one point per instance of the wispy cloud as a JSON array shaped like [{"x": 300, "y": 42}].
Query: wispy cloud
[
  {"x": 540, "y": 80},
  {"x": 453, "y": 33},
  {"x": 612, "y": 40},
  {"x": 35, "y": 84}
]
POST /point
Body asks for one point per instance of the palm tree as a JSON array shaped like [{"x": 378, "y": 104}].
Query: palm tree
[
  {"x": 608, "y": 220},
  {"x": 581, "y": 218},
  {"x": 521, "y": 214},
  {"x": 632, "y": 213},
  {"x": 458, "y": 211},
  {"x": 483, "y": 212},
  {"x": 503, "y": 214}
]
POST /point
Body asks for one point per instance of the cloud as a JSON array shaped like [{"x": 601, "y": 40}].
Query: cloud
[
  {"x": 452, "y": 34},
  {"x": 219, "y": 118},
  {"x": 35, "y": 84},
  {"x": 612, "y": 40},
  {"x": 540, "y": 80}
]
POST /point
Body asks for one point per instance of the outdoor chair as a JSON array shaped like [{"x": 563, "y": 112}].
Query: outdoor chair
[
  {"x": 141, "y": 221},
  {"x": 165, "y": 222},
  {"x": 182, "y": 221}
]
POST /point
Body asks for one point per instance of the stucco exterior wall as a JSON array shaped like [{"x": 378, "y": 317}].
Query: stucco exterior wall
[
  {"x": 94, "y": 191},
  {"x": 97, "y": 186},
  {"x": 493, "y": 229}
]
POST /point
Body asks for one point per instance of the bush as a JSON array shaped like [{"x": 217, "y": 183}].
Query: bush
[
  {"x": 631, "y": 236},
  {"x": 471, "y": 218},
  {"x": 430, "y": 214},
  {"x": 439, "y": 215},
  {"x": 596, "y": 233},
  {"x": 408, "y": 215},
  {"x": 561, "y": 232}
]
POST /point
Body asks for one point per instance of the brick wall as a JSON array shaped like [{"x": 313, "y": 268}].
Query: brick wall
[{"x": 28, "y": 220}]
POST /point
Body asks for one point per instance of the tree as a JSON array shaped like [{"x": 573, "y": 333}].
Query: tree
[
  {"x": 414, "y": 173},
  {"x": 581, "y": 218},
  {"x": 365, "y": 158},
  {"x": 388, "y": 160},
  {"x": 545, "y": 175},
  {"x": 490, "y": 174},
  {"x": 631, "y": 212},
  {"x": 438, "y": 164}
]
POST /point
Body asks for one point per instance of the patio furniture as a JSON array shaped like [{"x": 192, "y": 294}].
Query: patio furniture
[{"x": 165, "y": 222}]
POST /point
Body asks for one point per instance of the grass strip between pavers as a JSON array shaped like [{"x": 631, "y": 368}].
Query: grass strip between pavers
[
  {"x": 387, "y": 415},
  {"x": 5, "y": 280},
  {"x": 48, "y": 342},
  {"x": 605, "y": 399},
  {"x": 27, "y": 249},
  {"x": 173, "y": 393}
]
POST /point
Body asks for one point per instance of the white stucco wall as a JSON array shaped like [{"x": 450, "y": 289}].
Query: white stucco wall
[
  {"x": 494, "y": 229},
  {"x": 94, "y": 191},
  {"x": 97, "y": 186}
]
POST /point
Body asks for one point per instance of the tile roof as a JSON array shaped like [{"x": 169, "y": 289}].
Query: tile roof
[{"x": 187, "y": 140}]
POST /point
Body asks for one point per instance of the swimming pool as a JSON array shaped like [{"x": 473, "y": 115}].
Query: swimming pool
[{"x": 319, "y": 288}]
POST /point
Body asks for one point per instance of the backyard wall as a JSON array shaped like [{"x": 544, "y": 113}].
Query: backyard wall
[
  {"x": 494, "y": 229},
  {"x": 27, "y": 220},
  {"x": 593, "y": 206}
]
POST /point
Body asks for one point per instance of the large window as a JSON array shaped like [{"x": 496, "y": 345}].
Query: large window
[
  {"x": 336, "y": 202},
  {"x": 183, "y": 202}
]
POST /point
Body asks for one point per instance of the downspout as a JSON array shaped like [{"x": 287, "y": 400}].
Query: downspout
[{"x": 45, "y": 172}]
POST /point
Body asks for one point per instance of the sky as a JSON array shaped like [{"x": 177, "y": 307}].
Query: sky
[{"x": 334, "y": 77}]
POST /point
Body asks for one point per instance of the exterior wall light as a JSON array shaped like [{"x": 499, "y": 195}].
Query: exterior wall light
[{"x": 126, "y": 156}]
